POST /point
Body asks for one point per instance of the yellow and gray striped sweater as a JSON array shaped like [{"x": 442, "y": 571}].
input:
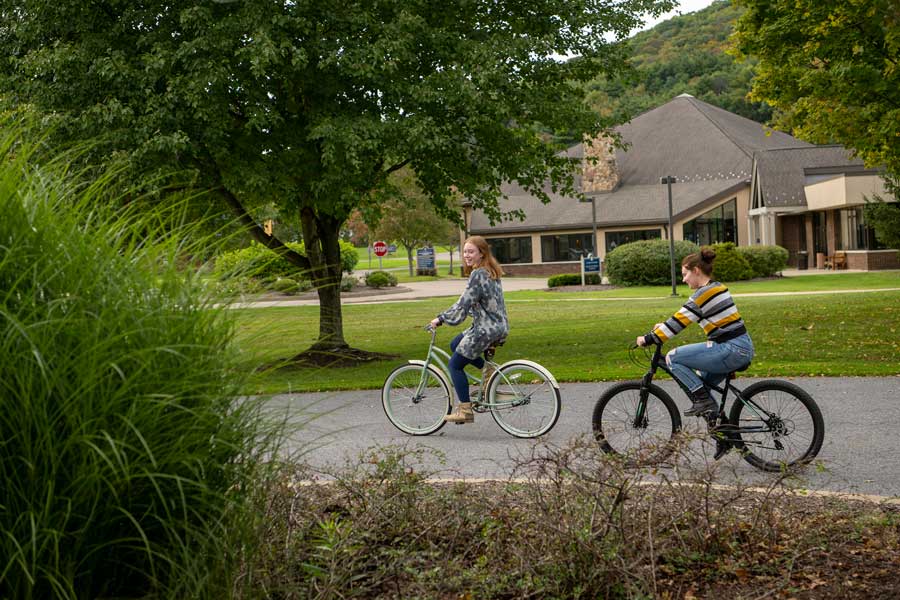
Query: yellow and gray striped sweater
[{"x": 712, "y": 307}]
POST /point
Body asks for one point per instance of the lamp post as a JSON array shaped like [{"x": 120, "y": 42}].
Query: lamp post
[
  {"x": 594, "y": 225},
  {"x": 669, "y": 180}
]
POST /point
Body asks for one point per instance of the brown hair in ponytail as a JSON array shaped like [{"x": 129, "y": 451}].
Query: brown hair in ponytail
[{"x": 702, "y": 260}]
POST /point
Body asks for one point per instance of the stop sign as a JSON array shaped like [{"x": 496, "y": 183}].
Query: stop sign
[{"x": 380, "y": 248}]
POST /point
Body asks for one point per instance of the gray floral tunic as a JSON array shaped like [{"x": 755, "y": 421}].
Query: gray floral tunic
[{"x": 483, "y": 299}]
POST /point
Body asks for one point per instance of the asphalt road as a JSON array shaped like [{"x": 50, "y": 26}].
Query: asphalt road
[{"x": 861, "y": 453}]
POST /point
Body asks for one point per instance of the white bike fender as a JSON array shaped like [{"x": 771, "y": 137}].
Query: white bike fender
[
  {"x": 531, "y": 363},
  {"x": 440, "y": 373}
]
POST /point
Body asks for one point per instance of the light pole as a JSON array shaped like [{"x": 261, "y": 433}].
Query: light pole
[
  {"x": 669, "y": 180},
  {"x": 594, "y": 225}
]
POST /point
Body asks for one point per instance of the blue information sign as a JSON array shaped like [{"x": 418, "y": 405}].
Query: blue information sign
[
  {"x": 425, "y": 259},
  {"x": 591, "y": 265}
]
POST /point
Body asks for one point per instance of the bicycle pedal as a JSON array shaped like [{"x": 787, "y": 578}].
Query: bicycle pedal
[{"x": 722, "y": 448}]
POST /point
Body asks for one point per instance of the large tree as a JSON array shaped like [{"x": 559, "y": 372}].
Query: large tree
[
  {"x": 831, "y": 69},
  {"x": 312, "y": 104}
]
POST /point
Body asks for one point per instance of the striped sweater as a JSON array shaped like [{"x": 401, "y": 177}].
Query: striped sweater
[{"x": 712, "y": 307}]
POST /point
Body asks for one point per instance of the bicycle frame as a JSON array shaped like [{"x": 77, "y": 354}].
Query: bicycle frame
[
  {"x": 441, "y": 359},
  {"x": 658, "y": 362}
]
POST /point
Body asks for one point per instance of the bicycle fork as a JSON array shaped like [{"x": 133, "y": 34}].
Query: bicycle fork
[{"x": 640, "y": 413}]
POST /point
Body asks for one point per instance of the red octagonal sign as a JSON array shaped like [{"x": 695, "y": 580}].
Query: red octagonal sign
[{"x": 380, "y": 248}]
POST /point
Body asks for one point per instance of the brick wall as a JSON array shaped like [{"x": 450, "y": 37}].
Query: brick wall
[{"x": 873, "y": 260}]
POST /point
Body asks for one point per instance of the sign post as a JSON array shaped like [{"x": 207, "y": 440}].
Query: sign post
[
  {"x": 380, "y": 249},
  {"x": 589, "y": 265},
  {"x": 669, "y": 180}
]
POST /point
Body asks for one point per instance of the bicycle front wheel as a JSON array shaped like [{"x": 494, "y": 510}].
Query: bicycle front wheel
[
  {"x": 779, "y": 425},
  {"x": 523, "y": 399},
  {"x": 639, "y": 431},
  {"x": 415, "y": 399}
]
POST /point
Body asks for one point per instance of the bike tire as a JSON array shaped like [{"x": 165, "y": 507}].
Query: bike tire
[
  {"x": 616, "y": 427},
  {"x": 793, "y": 434},
  {"x": 414, "y": 414},
  {"x": 523, "y": 399}
]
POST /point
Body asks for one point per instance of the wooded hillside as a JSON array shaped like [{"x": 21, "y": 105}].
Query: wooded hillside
[{"x": 685, "y": 54}]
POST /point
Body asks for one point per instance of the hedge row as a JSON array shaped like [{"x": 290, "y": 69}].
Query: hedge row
[
  {"x": 573, "y": 279},
  {"x": 647, "y": 262}
]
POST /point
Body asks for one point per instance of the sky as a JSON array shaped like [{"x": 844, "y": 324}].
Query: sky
[{"x": 684, "y": 7}]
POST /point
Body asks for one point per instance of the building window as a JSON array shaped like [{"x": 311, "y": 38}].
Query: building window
[
  {"x": 511, "y": 250},
  {"x": 820, "y": 232},
  {"x": 855, "y": 233},
  {"x": 614, "y": 239},
  {"x": 713, "y": 227},
  {"x": 559, "y": 248}
]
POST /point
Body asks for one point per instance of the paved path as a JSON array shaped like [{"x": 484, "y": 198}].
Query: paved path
[{"x": 860, "y": 455}]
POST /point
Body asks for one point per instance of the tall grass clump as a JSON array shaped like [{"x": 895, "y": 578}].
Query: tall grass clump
[{"x": 127, "y": 466}]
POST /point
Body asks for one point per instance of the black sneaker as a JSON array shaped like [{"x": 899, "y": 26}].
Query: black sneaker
[{"x": 701, "y": 406}]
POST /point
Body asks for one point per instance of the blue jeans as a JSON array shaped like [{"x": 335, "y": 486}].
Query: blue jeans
[
  {"x": 457, "y": 375},
  {"x": 713, "y": 360}
]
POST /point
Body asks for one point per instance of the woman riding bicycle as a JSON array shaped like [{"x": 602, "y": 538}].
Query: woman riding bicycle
[
  {"x": 728, "y": 347},
  {"x": 483, "y": 299}
]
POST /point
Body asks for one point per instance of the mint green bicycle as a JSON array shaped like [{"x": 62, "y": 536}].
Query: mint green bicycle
[{"x": 521, "y": 395}]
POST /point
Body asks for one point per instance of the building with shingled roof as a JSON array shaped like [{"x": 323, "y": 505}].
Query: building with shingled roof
[{"x": 735, "y": 181}]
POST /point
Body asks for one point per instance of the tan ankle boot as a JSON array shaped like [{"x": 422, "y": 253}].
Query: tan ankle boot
[{"x": 462, "y": 414}]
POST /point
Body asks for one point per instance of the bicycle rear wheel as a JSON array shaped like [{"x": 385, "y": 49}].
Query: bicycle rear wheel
[
  {"x": 523, "y": 399},
  {"x": 779, "y": 425},
  {"x": 413, "y": 411},
  {"x": 644, "y": 438}
]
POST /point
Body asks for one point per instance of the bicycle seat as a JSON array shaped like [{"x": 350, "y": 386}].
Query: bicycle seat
[
  {"x": 490, "y": 350},
  {"x": 734, "y": 373}
]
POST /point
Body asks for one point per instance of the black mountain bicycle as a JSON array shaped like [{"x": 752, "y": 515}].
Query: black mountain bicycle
[{"x": 773, "y": 423}]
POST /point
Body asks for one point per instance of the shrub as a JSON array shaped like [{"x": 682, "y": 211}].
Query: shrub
[
  {"x": 289, "y": 286},
  {"x": 646, "y": 262},
  {"x": 348, "y": 282},
  {"x": 572, "y": 279},
  {"x": 765, "y": 261},
  {"x": 127, "y": 467},
  {"x": 729, "y": 264},
  {"x": 380, "y": 279},
  {"x": 258, "y": 261}
]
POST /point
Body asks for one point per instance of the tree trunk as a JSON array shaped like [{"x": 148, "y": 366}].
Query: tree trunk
[
  {"x": 410, "y": 259},
  {"x": 321, "y": 235}
]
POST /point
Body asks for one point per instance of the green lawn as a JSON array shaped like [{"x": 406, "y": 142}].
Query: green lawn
[{"x": 583, "y": 337}]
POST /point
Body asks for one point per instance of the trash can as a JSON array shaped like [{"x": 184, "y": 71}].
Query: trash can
[
  {"x": 820, "y": 260},
  {"x": 802, "y": 261}
]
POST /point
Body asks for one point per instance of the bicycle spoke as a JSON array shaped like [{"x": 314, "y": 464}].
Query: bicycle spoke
[
  {"x": 414, "y": 406},
  {"x": 641, "y": 439},
  {"x": 523, "y": 400},
  {"x": 778, "y": 424}
]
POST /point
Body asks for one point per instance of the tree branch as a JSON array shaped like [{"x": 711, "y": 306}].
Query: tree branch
[
  {"x": 395, "y": 167},
  {"x": 252, "y": 227}
]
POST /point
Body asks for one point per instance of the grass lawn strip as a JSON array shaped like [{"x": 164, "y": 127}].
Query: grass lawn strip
[{"x": 847, "y": 334}]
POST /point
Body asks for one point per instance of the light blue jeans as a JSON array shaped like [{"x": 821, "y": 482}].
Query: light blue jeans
[{"x": 713, "y": 361}]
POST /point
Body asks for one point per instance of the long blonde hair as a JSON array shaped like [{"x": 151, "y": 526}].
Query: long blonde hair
[{"x": 488, "y": 262}]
